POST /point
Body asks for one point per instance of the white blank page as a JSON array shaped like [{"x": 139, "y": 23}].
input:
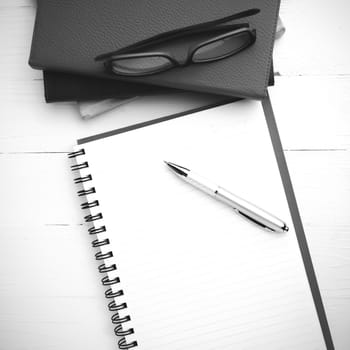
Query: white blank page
[{"x": 195, "y": 275}]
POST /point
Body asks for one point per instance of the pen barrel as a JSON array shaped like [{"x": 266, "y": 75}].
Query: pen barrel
[
  {"x": 241, "y": 206},
  {"x": 251, "y": 211},
  {"x": 202, "y": 183}
]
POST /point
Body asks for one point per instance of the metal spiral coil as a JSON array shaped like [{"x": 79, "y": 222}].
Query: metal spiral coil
[
  {"x": 88, "y": 205},
  {"x": 103, "y": 268},
  {"x": 96, "y": 243},
  {"x": 110, "y": 294},
  {"x": 112, "y": 306},
  {"x": 80, "y": 166},
  {"x": 90, "y": 218},
  {"x": 86, "y": 192},
  {"x": 96, "y": 230},
  {"x": 81, "y": 152},
  {"x": 82, "y": 179}
]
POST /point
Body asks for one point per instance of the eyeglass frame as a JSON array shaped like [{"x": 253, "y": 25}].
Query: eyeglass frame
[
  {"x": 173, "y": 34},
  {"x": 189, "y": 59}
]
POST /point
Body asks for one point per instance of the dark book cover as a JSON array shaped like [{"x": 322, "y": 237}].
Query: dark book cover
[{"x": 61, "y": 87}]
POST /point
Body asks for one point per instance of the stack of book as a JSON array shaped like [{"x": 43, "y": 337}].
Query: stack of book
[{"x": 69, "y": 36}]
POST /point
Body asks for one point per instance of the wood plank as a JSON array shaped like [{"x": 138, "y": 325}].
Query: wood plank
[
  {"x": 38, "y": 190},
  {"x": 312, "y": 112},
  {"x": 316, "y": 39},
  {"x": 55, "y": 323},
  {"x": 16, "y": 29},
  {"x": 51, "y": 296},
  {"x": 17, "y": 3}
]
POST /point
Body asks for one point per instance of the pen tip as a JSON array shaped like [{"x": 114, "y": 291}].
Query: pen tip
[{"x": 180, "y": 170}]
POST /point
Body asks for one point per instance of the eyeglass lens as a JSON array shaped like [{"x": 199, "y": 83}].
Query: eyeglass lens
[
  {"x": 141, "y": 65},
  {"x": 222, "y": 47}
]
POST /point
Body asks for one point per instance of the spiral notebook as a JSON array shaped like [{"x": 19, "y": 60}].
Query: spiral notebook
[{"x": 181, "y": 270}]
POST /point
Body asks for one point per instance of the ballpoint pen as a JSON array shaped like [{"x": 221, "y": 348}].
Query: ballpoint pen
[{"x": 241, "y": 206}]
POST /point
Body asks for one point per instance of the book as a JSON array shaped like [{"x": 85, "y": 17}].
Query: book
[
  {"x": 71, "y": 87},
  {"x": 61, "y": 87},
  {"x": 181, "y": 269},
  {"x": 69, "y": 35},
  {"x": 91, "y": 109}
]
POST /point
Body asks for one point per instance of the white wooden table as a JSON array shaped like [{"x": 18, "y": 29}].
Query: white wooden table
[{"x": 50, "y": 295}]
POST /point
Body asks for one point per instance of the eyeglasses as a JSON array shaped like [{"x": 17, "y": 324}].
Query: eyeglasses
[{"x": 206, "y": 42}]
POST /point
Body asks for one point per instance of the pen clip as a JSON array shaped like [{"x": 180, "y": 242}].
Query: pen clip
[{"x": 254, "y": 221}]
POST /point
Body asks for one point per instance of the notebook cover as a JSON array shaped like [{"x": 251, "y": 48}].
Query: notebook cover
[
  {"x": 61, "y": 87},
  {"x": 287, "y": 185},
  {"x": 69, "y": 34}
]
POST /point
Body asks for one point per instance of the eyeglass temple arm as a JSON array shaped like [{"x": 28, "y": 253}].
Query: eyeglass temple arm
[{"x": 238, "y": 15}]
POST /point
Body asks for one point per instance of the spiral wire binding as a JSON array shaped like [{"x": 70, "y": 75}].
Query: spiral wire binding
[{"x": 103, "y": 268}]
